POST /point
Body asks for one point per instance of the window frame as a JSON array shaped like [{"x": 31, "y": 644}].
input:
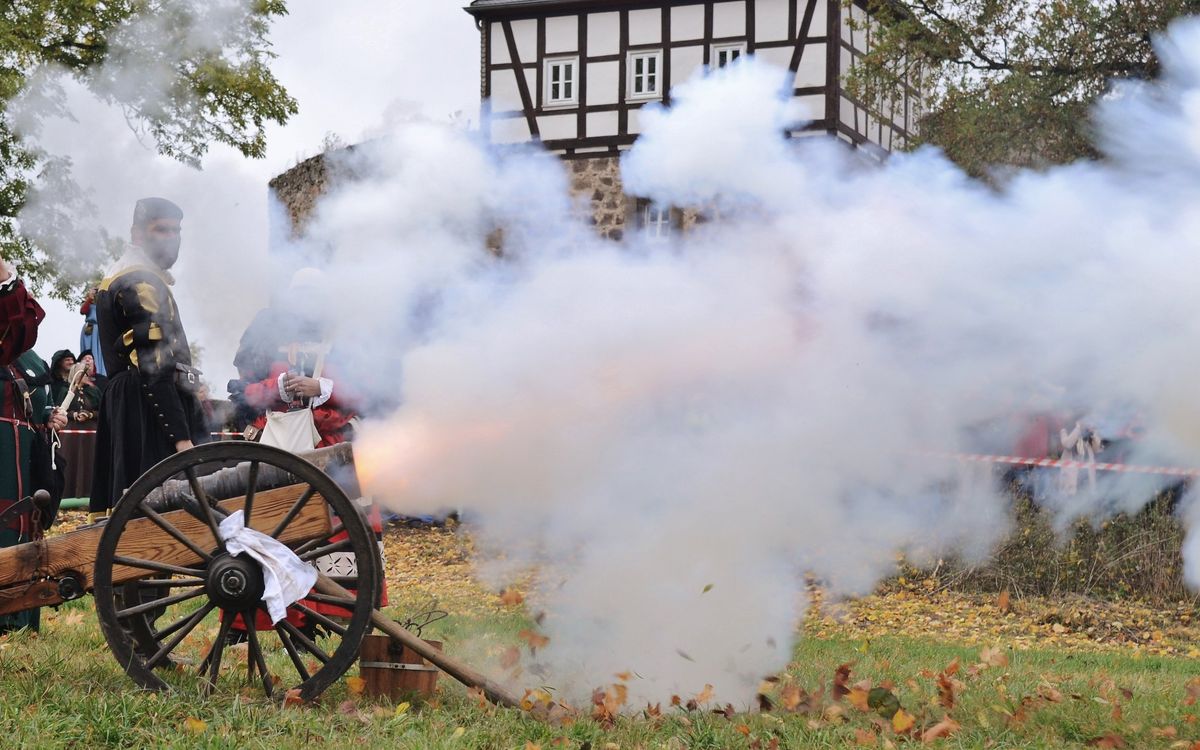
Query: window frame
[
  {"x": 714, "y": 55},
  {"x": 548, "y": 66},
  {"x": 666, "y": 222},
  {"x": 631, "y": 74}
]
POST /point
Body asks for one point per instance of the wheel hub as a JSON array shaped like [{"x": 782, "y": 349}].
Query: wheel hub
[{"x": 235, "y": 583}]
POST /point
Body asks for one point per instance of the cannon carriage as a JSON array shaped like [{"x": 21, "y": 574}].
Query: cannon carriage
[{"x": 173, "y": 601}]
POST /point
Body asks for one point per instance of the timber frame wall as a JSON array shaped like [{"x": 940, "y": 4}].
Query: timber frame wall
[{"x": 519, "y": 37}]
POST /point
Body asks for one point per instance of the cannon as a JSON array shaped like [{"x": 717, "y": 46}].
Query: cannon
[{"x": 172, "y": 602}]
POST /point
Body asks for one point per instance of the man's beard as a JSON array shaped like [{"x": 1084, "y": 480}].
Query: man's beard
[{"x": 164, "y": 253}]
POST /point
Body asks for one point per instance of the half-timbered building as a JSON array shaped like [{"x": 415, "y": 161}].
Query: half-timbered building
[{"x": 574, "y": 75}]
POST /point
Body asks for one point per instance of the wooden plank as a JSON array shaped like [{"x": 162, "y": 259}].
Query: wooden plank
[{"x": 76, "y": 551}]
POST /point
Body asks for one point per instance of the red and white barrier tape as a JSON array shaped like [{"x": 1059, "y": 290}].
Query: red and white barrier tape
[{"x": 1172, "y": 471}]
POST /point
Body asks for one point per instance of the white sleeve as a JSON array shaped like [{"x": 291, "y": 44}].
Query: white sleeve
[
  {"x": 326, "y": 392},
  {"x": 284, "y": 396}
]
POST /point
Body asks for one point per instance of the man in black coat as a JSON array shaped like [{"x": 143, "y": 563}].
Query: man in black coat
[{"x": 150, "y": 409}]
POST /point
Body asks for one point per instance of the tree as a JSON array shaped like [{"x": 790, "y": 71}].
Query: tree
[
  {"x": 186, "y": 73},
  {"x": 1010, "y": 82}
]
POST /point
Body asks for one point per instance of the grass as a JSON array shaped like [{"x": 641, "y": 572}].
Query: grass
[{"x": 62, "y": 688}]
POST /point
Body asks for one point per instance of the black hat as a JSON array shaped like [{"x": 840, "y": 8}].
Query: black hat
[
  {"x": 58, "y": 357},
  {"x": 150, "y": 209},
  {"x": 85, "y": 353}
]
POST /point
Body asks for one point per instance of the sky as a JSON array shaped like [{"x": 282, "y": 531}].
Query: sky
[{"x": 351, "y": 66}]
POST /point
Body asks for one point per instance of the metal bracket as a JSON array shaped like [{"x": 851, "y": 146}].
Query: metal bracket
[{"x": 396, "y": 665}]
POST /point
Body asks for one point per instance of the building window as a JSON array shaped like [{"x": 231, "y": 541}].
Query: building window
[
  {"x": 561, "y": 81},
  {"x": 645, "y": 75},
  {"x": 654, "y": 220},
  {"x": 724, "y": 54}
]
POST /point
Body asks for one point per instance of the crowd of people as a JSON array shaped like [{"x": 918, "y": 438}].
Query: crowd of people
[{"x": 130, "y": 396}]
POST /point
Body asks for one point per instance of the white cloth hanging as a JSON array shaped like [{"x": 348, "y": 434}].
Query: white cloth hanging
[{"x": 287, "y": 578}]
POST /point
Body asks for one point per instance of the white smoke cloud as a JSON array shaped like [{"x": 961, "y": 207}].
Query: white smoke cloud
[{"x": 757, "y": 401}]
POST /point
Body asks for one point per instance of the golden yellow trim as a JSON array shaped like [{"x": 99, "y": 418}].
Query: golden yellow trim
[
  {"x": 147, "y": 296},
  {"x": 108, "y": 281},
  {"x": 154, "y": 334},
  {"x": 133, "y": 359}
]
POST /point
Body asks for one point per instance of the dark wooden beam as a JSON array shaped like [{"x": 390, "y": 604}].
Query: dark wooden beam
[{"x": 522, "y": 84}]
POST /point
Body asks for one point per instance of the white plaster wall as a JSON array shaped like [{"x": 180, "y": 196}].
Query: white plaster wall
[
  {"x": 506, "y": 97},
  {"x": 685, "y": 61},
  {"x": 634, "y": 121},
  {"x": 770, "y": 20},
  {"x": 554, "y": 127},
  {"x": 645, "y": 26},
  {"x": 498, "y": 44},
  {"x": 604, "y": 34},
  {"x": 812, "y": 66},
  {"x": 729, "y": 19},
  {"x": 603, "y": 86},
  {"x": 601, "y": 124},
  {"x": 525, "y": 32},
  {"x": 513, "y": 130},
  {"x": 811, "y": 106},
  {"x": 819, "y": 21},
  {"x": 846, "y": 112},
  {"x": 687, "y": 22},
  {"x": 777, "y": 56},
  {"x": 562, "y": 34}
]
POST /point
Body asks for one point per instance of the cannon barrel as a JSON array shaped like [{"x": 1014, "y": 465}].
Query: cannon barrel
[{"x": 337, "y": 461}]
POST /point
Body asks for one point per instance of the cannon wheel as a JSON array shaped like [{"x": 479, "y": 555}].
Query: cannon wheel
[{"x": 196, "y": 600}]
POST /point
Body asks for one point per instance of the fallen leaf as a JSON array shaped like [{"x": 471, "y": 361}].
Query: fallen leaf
[
  {"x": 458, "y": 732},
  {"x": 902, "y": 721},
  {"x": 511, "y": 597},
  {"x": 1169, "y": 733},
  {"x": 840, "y": 677},
  {"x": 194, "y": 726},
  {"x": 356, "y": 685},
  {"x": 705, "y": 695},
  {"x": 1002, "y": 602},
  {"x": 884, "y": 701},
  {"x": 707, "y": 588},
  {"x": 402, "y": 708},
  {"x": 947, "y": 691},
  {"x": 791, "y": 696},
  {"x": 292, "y": 698},
  {"x": 864, "y": 738},
  {"x": 532, "y": 746},
  {"x": 943, "y": 728},
  {"x": 743, "y": 729},
  {"x": 624, "y": 676},
  {"x": 534, "y": 639},
  {"x": 993, "y": 657},
  {"x": 1109, "y": 741},
  {"x": 857, "y": 697}
]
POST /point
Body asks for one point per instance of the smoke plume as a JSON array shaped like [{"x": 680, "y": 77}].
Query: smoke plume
[{"x": 678, "y": 433}]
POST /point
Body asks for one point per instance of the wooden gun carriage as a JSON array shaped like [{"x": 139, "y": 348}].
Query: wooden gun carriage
[{"x": 172, "y": 601}]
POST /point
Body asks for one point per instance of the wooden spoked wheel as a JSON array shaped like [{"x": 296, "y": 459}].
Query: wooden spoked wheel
[{"x": 180, "y": 612}]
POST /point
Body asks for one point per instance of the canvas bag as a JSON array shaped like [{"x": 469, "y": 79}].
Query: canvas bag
[{"x": 294, "y": 431}]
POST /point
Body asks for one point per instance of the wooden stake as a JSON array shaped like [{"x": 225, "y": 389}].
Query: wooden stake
[{"x": 466, "y": 675}]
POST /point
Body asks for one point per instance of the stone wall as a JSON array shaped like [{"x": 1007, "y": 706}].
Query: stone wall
[
  {"x": 297, "y": 191},
  {"x": 596, "y": 184}
]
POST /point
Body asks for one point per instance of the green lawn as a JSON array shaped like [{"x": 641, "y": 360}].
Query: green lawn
[{"x": 62, "y": 689}]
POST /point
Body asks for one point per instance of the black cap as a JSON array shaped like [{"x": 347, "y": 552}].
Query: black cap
[{"x": 150, "y": 209}]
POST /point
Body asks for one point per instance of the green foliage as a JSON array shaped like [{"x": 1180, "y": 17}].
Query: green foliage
[
  {"x": 186, "y": 73},
  {"x": 1010, "y": 83}
]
